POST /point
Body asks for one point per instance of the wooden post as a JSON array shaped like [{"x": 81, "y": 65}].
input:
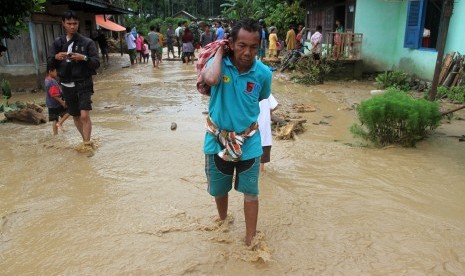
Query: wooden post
[{"x": 445, "y": 18}]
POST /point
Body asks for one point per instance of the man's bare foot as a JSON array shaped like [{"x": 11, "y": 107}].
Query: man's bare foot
[{"x": 60, "y": 126}]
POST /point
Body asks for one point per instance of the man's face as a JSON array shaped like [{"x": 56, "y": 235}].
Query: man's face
[
  {"x": 245, "y": 48},
  {"x": 71, "y": 26}
]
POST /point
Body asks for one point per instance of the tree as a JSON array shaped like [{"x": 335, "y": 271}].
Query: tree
[
  {"x": 236, "y": 9},
  {"x": 13, "y": 15}
]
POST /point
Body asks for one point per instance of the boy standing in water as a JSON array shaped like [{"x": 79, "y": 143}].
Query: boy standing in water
[{"x": 55, "y": 104}]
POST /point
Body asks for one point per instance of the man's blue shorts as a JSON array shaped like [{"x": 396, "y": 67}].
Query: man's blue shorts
[{"x": 220, "y": 175}]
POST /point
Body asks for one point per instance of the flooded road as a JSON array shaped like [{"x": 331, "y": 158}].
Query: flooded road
[{"x": 139, "y": 206}]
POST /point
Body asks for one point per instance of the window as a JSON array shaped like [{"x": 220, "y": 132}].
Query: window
[{"x": 423, "y": 20}]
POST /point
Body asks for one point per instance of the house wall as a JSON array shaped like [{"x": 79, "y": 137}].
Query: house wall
[
  {"x": 383, "y": 38},
  {"x": 378, "y": 21}
]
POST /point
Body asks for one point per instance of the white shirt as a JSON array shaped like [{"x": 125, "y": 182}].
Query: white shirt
[
  {"x": 130, "y": 41},
  {"x": 177, "y": 32},
  {"x": 317, "y": 37},
  {"x": 264, "y": 119}
]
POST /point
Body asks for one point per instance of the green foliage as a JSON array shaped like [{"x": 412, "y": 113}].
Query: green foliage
[
  {"x": 13, "y": 14},
  {"x": 393, "y": 79},
  {"x": 237, "y": 9},
  {"x": 396, "y": 118},
  {"x": 6, "y": 94},
  {"x": 6, "y": 89},
  {"x": 309, "y": 73},
  {"x": 454, "y": 94},
  {"x": 282, "y": 15}
]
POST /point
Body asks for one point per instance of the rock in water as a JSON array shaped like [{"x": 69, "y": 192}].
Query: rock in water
[{"x": 174, "y": 126}]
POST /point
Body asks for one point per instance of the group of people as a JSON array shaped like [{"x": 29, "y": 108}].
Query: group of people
[
  {"x": 240, "y": 100},
  {"x": 188, "y": 38},
  {"x": 271, "y": 42}
]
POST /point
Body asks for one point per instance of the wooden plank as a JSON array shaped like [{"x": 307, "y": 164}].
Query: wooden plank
[{"x": 446, "y": 66}]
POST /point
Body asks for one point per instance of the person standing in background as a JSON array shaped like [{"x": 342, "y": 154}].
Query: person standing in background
[
  {"x": 178, "y": 33},
  {"x": 103, "y": 45},
  {"x": 338, "y": 39},
  {"x": 219, "y": 32},
  {"x": 316, "y": 40},
  {"x": 273, "y": 50},
  {"x": 290, "y": 39},
  {"x": 170, "y": 41},
  {"x": 154, "y": 42},
  {"x": 131, "y": 44},
  {"x": 139, "y": 44},
  {"x": 207, "y": 36},
  {"x": 160, "y": 42}
]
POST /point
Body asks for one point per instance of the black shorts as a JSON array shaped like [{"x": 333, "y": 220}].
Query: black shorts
[
  {"x": 78, "y": 98},
  {"x": 54, "y": 114},
  {"x": 104, "y": 50}
]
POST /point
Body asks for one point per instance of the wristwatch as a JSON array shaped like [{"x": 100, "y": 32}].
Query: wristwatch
[{"x": 86, "y": 58}]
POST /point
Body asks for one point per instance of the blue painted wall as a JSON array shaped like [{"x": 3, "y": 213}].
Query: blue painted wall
[{"x": 383, "y": 24}]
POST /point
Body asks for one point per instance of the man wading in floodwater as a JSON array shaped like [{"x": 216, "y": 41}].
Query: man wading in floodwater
[
  {"x": 232, "y": 144},
  {"x": 76, "y": 59}
]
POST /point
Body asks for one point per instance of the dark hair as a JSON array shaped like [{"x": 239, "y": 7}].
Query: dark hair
[
  {"x": 128, "y": 29},
  {"x": 319, "y": 28},
  {"x": 179, "y": 23},
  {"x": 152, "y": 27},
  {"x": 50, "y": 67},
  {"x": 69, "y": 14},
  {"x": 157, "y": 29},
  {"x": 146, "y": 41},
  {"x": 247, "y": 24}
]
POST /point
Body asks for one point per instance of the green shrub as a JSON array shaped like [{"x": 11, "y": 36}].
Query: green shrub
[
  {"x": 454, "y": 94},
  {"x": 395, "y": 118},
  {"x": 393, "y": 79},
  {"x": 310, "y": 73},
  {"x": 5, "y": 88}
]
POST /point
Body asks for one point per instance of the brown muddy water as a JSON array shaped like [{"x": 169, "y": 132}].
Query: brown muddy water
[{"x": 139, "y": 206}]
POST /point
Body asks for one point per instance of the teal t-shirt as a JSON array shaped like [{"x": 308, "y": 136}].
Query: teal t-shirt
[{"x": 234, "y": 104}]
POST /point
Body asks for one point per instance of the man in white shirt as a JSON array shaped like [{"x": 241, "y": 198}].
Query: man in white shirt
[
  {"x": 131, "y": 43},
  {"x": 316, "y": 39},
  {"x": 178, "y": 33}
]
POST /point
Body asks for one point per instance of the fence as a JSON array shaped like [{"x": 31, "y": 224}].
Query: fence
[{"x": 342, "y": 46}]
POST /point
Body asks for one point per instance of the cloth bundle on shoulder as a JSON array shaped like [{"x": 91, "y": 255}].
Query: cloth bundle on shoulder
[{"x": 207, "y": 53}]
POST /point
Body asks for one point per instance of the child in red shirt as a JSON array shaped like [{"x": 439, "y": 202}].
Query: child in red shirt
[{"x": 56, "y": 106}]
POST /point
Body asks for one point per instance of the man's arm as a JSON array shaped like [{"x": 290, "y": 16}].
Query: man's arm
[
  {"x": 93, "y": 60},
  {"x": 212, "y": 73}
]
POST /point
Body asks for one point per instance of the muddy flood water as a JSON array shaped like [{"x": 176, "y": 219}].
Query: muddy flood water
[{"x": 138, "y": 205}]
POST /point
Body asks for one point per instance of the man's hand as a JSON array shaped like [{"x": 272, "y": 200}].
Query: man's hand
[
  {"x": 61, "y": 56},
  {"x": 77, "y": 57}
]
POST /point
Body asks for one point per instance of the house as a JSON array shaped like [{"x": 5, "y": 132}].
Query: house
[
  {"x": 349, "y": 47},
  {"x": 186, "y": 15},
  {"x": 24, "y": 62},
  {"x": 393, "y": 31}
]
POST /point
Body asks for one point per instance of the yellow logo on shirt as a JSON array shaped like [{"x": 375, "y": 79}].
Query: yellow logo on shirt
[{"x": 226, "y": 79}]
